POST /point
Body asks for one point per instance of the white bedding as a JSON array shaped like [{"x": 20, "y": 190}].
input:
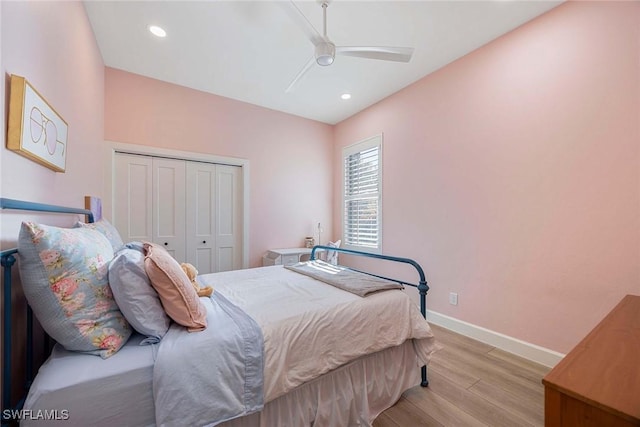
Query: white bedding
[
  {"x": 387, "y": 374},
  {"x": 352, "y": 395},
  {"x": 324, "y": 327},
  {"x": 113, "y": 391},
  {"x": 310, "y": 327}
]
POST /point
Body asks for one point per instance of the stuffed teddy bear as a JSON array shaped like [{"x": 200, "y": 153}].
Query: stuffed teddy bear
[{"x": 191, "y": 273}]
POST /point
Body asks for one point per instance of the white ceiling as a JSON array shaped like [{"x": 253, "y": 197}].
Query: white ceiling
[{"x": 251, "y": 50}]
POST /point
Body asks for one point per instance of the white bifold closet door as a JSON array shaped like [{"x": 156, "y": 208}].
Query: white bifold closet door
[
  {"x": 132, "y": 197},
  {"x": 169, "y": 206},
  {"x": 193, "y": 209},
  {"x": 214, "y": 216}
]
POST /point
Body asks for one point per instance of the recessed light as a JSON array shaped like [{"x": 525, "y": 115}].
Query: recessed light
[
  {"x": 157, "y": 31},
  {"x": 345, "y": 96}
]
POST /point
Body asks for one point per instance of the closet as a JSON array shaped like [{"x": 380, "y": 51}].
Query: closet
[{"x": 193, "y": 209}]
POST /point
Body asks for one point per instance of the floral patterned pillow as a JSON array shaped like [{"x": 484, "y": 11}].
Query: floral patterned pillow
[{"x": 64, "y": 273}]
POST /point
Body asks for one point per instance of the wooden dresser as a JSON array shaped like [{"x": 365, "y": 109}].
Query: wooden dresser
[{"x": 598, "y": 383}]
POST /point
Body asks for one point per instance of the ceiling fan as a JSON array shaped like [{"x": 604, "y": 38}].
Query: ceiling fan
[{"x": 326, "y": 50}]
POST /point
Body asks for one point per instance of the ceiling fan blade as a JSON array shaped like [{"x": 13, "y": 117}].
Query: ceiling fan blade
[
  {"x": 298, "y": 17},
  {"x": 399, "y": 54},
  {"x": 300, "y": 74}
]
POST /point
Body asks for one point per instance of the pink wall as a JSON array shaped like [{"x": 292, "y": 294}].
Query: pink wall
[
  {"x": 52, "y": 45},
  {"x": 513, "y": 174},
  {"x": 290, "y": 157}
]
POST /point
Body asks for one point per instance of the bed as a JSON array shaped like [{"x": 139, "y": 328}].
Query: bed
[{"x": 331, "y": 358}]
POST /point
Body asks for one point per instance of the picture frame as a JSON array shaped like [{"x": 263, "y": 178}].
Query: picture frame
[{"x": 35, "y": 129}]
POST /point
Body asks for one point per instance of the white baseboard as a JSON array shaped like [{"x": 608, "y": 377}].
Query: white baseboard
[{"x": 529, "y": 351}]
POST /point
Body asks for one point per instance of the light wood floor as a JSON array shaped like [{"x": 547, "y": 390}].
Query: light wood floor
[{"x": 471, "y": 384}]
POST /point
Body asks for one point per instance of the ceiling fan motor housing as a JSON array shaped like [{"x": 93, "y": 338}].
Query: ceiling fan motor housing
[{"x": 325, "y": 53}]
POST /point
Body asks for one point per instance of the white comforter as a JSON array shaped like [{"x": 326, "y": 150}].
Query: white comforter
[{"x": 310, "y": 327}]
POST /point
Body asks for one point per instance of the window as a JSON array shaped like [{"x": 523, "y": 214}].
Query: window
[{"x": 362, "y": 201}]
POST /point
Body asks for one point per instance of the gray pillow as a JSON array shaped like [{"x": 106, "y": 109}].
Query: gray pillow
[
  {"x": 135, "y": 296},
  {"x": 64, "y": 273},
  {"x": 108, "y": 230}
]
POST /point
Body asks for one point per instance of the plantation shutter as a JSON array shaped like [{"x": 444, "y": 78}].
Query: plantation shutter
[{"x": 362, "y": 185}]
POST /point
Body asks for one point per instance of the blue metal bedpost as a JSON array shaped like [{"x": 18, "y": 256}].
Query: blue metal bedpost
[
  {"x": 7, "y": 260},
  {"x": 29, "y": 378},
  {"x": 423, "y": 288}
]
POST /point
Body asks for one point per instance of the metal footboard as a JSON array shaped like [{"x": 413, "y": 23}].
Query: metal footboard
[{"x": 421, "y": 286}]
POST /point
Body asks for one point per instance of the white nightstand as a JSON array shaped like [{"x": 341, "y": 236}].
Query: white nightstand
[{"x": 285, "y": 256}]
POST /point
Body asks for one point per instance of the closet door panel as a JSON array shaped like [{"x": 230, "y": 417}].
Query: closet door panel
[
  {"x": 132, "y": 192},
  {"x": 200, "y": 211},
  {"x": 193, "y": 209},
  {"x": 226, "y": 258},
  {"x": 228, "y": 217},
  {"x": 169, "y": 206}
]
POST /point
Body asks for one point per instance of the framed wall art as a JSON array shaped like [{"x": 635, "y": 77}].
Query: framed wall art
[{"x": 35, "y": 129}]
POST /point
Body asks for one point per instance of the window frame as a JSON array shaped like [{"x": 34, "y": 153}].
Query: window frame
[{"x": 358, "y": 147}]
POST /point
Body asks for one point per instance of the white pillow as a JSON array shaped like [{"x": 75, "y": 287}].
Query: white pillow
[{"x": 332, "y": 256}]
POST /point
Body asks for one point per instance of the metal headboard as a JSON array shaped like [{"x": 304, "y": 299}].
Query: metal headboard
[
  {"x": 7, "y": 260},
  {"x": 422, "y": 284}
]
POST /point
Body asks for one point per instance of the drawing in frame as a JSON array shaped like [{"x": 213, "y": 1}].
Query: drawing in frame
[{"x": 35, "y": 129}]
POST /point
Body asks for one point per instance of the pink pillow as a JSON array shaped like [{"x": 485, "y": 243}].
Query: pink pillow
[{"x": 177, "y": 294}]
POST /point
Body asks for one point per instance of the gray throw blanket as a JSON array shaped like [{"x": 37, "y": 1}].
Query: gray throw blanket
[
  {"x": 343, "y": 278},
  {"x": 211, "y": 376}
]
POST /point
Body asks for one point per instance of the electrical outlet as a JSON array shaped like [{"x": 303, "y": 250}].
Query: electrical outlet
[{"x": 453, "y": 298}]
